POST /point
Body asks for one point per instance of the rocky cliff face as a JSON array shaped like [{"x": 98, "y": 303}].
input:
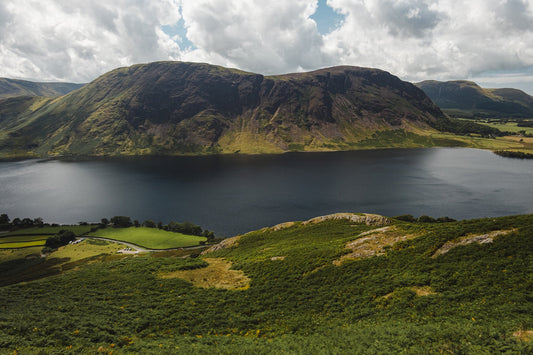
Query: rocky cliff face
[{"x": 181, "y": 108}]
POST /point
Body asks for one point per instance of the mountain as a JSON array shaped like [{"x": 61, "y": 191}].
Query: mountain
[
  {"x": 339, "y": 284},
  {"x": 13, "y": 88},
  {"x": 467, "y": 99},
  {"x": 191, "y": 108}
]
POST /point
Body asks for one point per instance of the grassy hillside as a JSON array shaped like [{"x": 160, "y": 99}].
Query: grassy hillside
[
  {"x": 341, "y": 284},
  {"x": 463, "y": 98},
  {"x": 170, "y": 108},
  {"x": 13, "y": 88}
]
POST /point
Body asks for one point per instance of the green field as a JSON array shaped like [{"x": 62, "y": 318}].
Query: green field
[
  {"x": 23, "y": 238},
  {"x": 77, "y": 229},
  {"x": 151, "y": 238},
  {"x": 15, "y": 245},
  {"x": 507, "y": 126},
  {"x": 22, "y": 241}
]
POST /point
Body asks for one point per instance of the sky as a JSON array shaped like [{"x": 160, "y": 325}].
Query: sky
[{"x": 487, "y": 41}]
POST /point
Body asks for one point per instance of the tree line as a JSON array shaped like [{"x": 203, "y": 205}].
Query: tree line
[
  {"x": 184, "y": 227},
  {"x": 116, "y": 222}
]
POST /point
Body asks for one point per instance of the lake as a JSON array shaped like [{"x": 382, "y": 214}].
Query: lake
[{"x": 234, "y": 194}]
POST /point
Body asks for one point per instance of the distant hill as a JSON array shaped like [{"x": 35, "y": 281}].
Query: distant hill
[
  {"x": 191, "y": 108},
  {"x": 467, "y": 99},
  {"x": 13, "y": 88}
]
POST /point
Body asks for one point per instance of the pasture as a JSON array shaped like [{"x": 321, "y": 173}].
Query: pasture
[{"x": 150, "y": 238}]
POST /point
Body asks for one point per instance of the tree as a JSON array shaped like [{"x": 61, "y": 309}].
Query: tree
[
  {"x": 16, "y": 222},
  {"x": 406, "y": 218},
  {"x": 426, "y": 219},
  {"x": 26, "y": 222},
  {"x": 4, "y": 219},
  {"x": 38, "y": 222},
  {"x": 104, "y": 221},
  {"x": 136, "y": 223},
  {"x": 121, "y": 222},
  {"x": 149, "y": 223},
  {"x": 62, "y": 238},
  {"x": 209, "y": 235}
]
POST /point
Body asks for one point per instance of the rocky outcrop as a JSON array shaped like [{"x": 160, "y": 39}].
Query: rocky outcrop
[
  {"x": 224, "y": 244},
  {"x": 365, "y": 218},
  {"x": 479, "y": 239},
  {"x": 374, "y": 243}
]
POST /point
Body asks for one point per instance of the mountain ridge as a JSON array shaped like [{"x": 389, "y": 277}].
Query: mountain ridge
[
  {"x": 195, "y": 108},
  {"x": 465, "y": 98},
  {"x": 15, "y": 87}
]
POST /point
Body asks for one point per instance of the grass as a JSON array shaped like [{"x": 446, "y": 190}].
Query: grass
[
  {"x": 15, "y": 245},
  {"x": 24, "y": 238},
  {"x": 14, "y": 254},
  {"x": 507, "y": 126},
  {"x": 217, "y": 274},
  {"x": 86, "y": 249},
  {"x": 77, "y": 229},
  {"x": 151, "y": 238}
]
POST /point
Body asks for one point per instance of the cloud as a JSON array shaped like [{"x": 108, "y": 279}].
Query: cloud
[
  {"x": 263, "y": 36},
  {"x": 422, "y": 39},
  {"x": 77, "y": 40}
]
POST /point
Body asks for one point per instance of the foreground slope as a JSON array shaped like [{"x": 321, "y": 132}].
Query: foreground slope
[
  {"x": 346, "y": 283},
  {"x": 466, "y": 99},
  {"x": 180, "y": 108}
]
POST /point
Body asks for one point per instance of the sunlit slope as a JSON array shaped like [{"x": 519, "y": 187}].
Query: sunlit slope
[
  {"x": 466, "y": 99},
  {"x": 16, "y": 88}
]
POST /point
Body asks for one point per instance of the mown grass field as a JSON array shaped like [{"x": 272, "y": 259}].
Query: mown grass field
[
  {"x": 23, "y": 238},
  {"x": 473, "y": 299},
  {"x": 15, "y": 245},
  {"x": 77, "y": 229},
  {"x": 150, "y": 238},
  {"x": 22, "y": 241},
  {"x": 507, "y": 126}
]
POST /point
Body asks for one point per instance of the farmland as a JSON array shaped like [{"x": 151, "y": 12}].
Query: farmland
[{"x": 151, "y": 238}]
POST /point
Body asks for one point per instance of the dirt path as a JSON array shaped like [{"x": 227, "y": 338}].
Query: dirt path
[
  {"x": 140, "y": 249},
  {"x": 130, "y": 245}
]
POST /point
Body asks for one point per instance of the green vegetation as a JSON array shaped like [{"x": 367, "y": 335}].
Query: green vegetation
[
  {"x": 473, "y": 299},
  {"x": 150, "y": 238},
  {"x": 14, "y": 245},
  {"x": 512, "y": 127},
  {"x": 512, "y": 154},
  {"x": 13, "y": 88},
  {"x": 76, "y": 229},
  {"x": 17, "y": 238},
  {"x": 463, "y": 98}
]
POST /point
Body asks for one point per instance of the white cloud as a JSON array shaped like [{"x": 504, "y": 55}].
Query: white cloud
[
  {"x": 77, "y": 40},
  {"x": 263, "y": 36},
  {"x": 421, "y": 39}
]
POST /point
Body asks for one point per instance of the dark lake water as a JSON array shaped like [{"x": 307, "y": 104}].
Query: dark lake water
[{"x": 236, "y": 194}]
